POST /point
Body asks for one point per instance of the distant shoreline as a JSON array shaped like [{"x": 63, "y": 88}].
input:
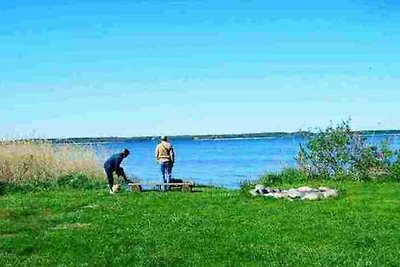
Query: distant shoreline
[{"x": 205, "y": 137}]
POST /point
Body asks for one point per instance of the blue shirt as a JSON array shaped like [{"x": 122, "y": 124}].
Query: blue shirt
[{"x": 114, "y": 162}]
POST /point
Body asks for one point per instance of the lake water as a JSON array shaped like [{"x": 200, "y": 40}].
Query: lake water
[{"x": 223, "y": 163}]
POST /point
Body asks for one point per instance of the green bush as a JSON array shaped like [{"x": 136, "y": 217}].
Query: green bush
[
  {"x": 2, "y": 188},
  {"x": 339, "y": 153},
  {"x": 395, "y": 171}
]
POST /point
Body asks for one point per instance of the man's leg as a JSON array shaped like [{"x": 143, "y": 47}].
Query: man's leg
[
  {"x": 163, "y": 170},
  {"x": 169, "y": 171},
  {"x": 110, "y": 179}
]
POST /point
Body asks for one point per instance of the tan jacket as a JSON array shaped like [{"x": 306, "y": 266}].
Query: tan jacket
[{"x": 164, "y": 152}]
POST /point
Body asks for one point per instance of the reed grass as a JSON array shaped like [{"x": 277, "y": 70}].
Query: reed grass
[{"x": 26, "y": 161}]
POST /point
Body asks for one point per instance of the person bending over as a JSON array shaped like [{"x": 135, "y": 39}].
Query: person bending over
[
  {"x": 113, "y": 164},
  {"x": 165, "y": 156}
]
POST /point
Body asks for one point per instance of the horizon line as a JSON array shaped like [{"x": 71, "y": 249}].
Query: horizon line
[{"x": 214, "y": 134}]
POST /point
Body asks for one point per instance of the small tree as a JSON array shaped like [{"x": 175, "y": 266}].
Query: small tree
[{"x": 338, "y": 151}]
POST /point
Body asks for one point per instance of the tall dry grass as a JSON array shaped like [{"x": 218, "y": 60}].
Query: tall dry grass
[{"x": 31, "y": 161}]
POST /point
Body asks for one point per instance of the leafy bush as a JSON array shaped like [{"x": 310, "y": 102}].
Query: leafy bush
[
  {"x": 395, "y": 171},
  {"x": 339, "y": 153}
]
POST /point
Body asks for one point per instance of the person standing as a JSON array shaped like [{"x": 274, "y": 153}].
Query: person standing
[
  {"x": 113, "y": 164},
  {"x": 165, "y": 156}
]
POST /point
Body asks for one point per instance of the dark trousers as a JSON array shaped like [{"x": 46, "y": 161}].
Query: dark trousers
[{"x": 110, "y": 176}]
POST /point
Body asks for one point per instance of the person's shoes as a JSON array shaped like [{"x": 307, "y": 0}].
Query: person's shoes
[{"x": 111, "y": 191}]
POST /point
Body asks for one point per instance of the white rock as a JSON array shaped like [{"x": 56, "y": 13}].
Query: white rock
[
  {"x": 330, "y": 193},
  {"x": 311, "y": 196},
  {"x": 304, "y": 193},
  {"x": 279, "y": 195},
  {"x": 324, "y": 188},
  {"x": 305, "y": 189},
  {"x": 294, "y": 193},
  {"x": 259, "y": 187}
]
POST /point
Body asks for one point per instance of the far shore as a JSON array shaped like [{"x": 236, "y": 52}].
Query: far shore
[{"x": 115, "y": 139}]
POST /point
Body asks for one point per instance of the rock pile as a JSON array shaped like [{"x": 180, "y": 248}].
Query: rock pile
[{"x": 302, "y": 193}]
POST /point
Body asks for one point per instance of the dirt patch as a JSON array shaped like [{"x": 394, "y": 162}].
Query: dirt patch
[
  {"x": 90, "y": 207},
  {"x": 47, "y": 212},
  {"x": 72, "y": 226},
  {"x": 5, "y": 214},
  {"x": 8, "y": 235}
]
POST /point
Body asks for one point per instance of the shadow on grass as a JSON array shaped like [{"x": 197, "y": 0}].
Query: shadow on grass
[{"x": 177, "y": 189}]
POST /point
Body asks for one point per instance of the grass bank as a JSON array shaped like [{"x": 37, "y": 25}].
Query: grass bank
[{"x": 213, "y": 228}]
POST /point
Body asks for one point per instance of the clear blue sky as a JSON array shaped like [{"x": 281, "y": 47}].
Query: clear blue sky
[{"x": 131, "y": 68}]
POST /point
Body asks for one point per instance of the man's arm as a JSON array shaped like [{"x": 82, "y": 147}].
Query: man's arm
[
  {"x": 156, "y": 153},
  {"x": 118, "y": 169},
  {"x": 172, "y": 154},
  {"x": 121, "y": 172}
]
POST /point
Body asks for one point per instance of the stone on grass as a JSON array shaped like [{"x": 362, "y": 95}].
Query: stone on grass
[
  {"x": 303, "y": 193},
  {"x": 311, "y": 196},
  {"x": 305, "y": 189},
  {"x": 330, "y": 193},
  {"x": 259, "y": 187},
  {"x": 294, "y": 193}
]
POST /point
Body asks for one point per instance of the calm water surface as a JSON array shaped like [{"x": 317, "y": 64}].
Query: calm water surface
[{"x": 218, "y": 162}]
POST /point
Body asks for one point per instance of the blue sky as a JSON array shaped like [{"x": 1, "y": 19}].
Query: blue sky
[{"x": 131, "y": 68}]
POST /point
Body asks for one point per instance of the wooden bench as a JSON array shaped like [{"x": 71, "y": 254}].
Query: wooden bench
[{"x": 185, "y": 186}]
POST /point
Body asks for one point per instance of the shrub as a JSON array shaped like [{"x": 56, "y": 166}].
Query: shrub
[
  {"x": 338, "y": 152},
  {"x": 395, "y": 171}
]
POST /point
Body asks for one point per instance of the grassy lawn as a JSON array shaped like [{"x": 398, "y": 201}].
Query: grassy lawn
[{"x": 214, "y": 227}]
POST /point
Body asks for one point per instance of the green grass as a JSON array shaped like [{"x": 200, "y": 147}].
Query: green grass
[{"x": 211, "y": 228}]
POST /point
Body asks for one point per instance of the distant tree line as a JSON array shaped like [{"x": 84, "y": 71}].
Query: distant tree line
[{"x": 305, "y": 134}]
